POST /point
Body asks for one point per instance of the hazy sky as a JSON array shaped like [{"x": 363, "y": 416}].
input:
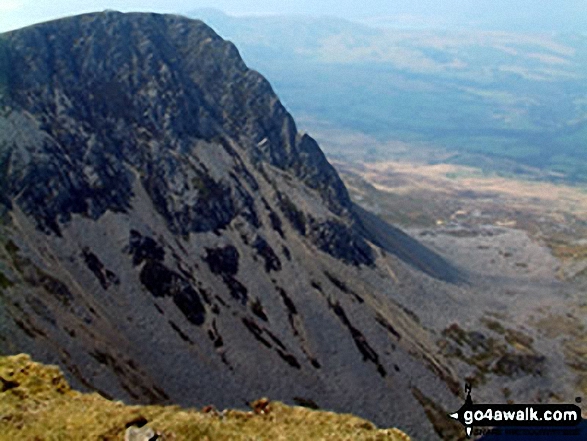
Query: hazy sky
[{"x": 537, "y": 15}]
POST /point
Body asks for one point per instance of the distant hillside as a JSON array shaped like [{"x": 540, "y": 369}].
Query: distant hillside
[{"x": 508, "y": 102}]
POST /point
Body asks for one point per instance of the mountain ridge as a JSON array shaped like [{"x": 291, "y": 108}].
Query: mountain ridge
[{"x": 169, "y": 236}]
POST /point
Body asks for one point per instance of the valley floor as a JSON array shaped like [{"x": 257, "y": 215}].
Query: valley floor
[{"x": 517, "y": 330}]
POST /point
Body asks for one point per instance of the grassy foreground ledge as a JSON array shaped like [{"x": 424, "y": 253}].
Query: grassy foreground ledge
[{"x": 37, "y": 403}]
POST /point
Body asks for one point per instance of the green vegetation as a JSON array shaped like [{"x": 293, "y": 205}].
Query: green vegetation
[
  {"x": 36, "y": 402},
  {"x": 519, "y": 339},
  {"x": 568, "y": 251},
  {"x": 495, "y": 326},
  {"x": 379, "y": 103},
  {"x": 512, "y": 356}
]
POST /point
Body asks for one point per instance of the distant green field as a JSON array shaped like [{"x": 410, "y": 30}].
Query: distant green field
[{"x": 509, "y": 98}]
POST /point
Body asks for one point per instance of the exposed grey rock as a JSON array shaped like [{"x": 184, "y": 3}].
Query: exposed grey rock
[
  {"x": 144, "y": 433},
  {"x": 183, "y": 243}
]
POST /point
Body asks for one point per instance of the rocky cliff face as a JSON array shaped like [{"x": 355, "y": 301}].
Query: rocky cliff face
[
  {"x": 169, "y": 236},
  {"x": 123, "y": 99}
]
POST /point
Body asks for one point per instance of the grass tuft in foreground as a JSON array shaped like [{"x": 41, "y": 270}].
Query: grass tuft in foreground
[{"x": 36, "y": 402}]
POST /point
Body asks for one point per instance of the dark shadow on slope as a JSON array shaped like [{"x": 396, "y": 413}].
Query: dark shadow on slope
[{"x": 406, "y": 248}]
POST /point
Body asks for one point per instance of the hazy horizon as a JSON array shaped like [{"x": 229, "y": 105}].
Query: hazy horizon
[{"x": 523, "y": 15}]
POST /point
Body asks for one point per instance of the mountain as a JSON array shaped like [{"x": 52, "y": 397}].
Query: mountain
[
  {"x": 485, "y": 15},
  {"x": 169, "y": 236}
]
